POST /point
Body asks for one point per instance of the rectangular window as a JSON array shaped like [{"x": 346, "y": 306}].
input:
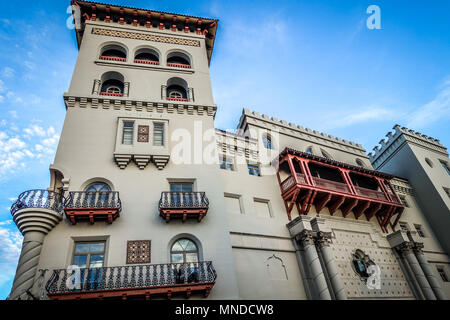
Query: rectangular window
[
  {"x": 158, "y": 134},
  {"x": 403, "y": 200},
  {"x": 262, "y": 208},
  {"x": 128, "y": 131},
  {"x": 442, "y": 273},
  {"x": 253, "y": 170},
  {"x": 404, "y": 226},
  {"x": 89, "y": 254},
  {"x": 226, "y": 164},
  {"x": 419, "y": 230},
  {"x": 445, "y": 165},
  {"x": 181, "y": 194},
  {"x": 233, "y": 203}
]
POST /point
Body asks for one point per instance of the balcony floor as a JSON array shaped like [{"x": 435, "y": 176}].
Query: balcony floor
[
  {"x": 92, "y": 215},
  {"x": 183, "y": 213}
]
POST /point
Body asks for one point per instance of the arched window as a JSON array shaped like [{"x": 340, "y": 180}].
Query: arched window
[
  {"x": 428, "y": 161},
  {"x": 98, "y": 187},
  {"x": 113, "y": 53},
  {"x": 360, "y": 163},
  {"x": 325, "y": 154},
  {"x": 184, "y": 251},
  {"x": 97, "y": 194},
  {"x": 147, "y": 56},
  {"x": 112, "y": 84},
  {"x": 267, "y": 142},
  {"x": 309, "y": 150},
  {"x": 177, "y": 90},
  {"x": 178, "y": 60}
]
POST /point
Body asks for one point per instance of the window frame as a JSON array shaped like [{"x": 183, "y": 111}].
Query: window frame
[
  {"x": 256, "y": 167},
  {"x": 184, "y": 252},
  {"x": 89, "y": 253},
  {"x": 124, "y": 127},
  {"x": 224, "y": 161},
  {"x": 159, "y": 128},
  {"x": 445, "y": 166}
]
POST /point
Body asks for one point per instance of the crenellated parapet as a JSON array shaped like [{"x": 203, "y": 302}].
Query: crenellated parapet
[
  {"x": 297, "y": 131},
  {"x": 394, "y": 140},
  {"x": 232, "y": 144}
]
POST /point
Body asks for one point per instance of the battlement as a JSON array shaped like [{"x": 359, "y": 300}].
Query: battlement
[
  {"x": 299, "y": 129},
  {"x": 409, "y": 135}
]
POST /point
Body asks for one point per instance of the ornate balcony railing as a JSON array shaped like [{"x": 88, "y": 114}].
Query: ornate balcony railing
[
  {"x": 156, "y": 63},
  {"x": 373, "y": 194},
  {"x": 135, "y": 280},
  {"x": 43, "y": 199},
  {"x": 81, "y": 205},
  {"x": 183, "y": 205},
  {"x": 113, "y": 58},
  {"x": 93, "y": 200},
  {"x": 331, "y": 185},
  {"x": 179, "y": 65}
]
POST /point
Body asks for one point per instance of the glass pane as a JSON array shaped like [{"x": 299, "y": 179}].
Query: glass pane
[
  {"x": 183, "y": 243},
  {"x": 82, "y": 247},
  {"x": 191, "y": 246},
  {"x": 80, "y": 261},
  {"x": 191, "y": 257},
  {"x": 96, "y": 261},
  {"x": 177, "y": 258},
  {"x": 187, "y": 187},
  {"x": 97, "y": 247},
  {"x": 177, "y": 247},
  {"x": 175, "y": 187}
]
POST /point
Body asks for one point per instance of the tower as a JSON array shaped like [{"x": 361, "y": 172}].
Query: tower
[
  {"x": 119, "y": 207},
  {"x": 425, "y": 163}
]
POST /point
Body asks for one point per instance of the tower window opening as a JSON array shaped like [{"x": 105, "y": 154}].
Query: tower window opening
[
  {"x": 147, "y": 56},
  {"x": 178, "y": 60},
  {"x": 114, "y": 53},
  {"x": 176, "y": 93},
  {"x": 267, "y": 141}
]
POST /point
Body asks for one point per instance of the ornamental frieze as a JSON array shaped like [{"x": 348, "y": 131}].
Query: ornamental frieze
[{"x": 146, "y": 37}]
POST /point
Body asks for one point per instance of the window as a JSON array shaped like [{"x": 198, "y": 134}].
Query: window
[
  {"x": 89, "y": 257},
  {"x": 96, "y": 194},
  {"x": 442, "y": 273},
  {"x": 128, "y": 130},
  {"x": 404, "y": 226},
  {"x": 158, "y": 134},
  {"x": 184, "y": 251},
  {"x": 262, "y": 208},
  {"x": 178, "y": 59},
  {"x": 309, "y": 150},
  {"x": 419, "y": 230},
  {"x": 267, "y": 141},
  {"x": 403, "y": 200},
  {"x": 325, "y": 154},
  {"x": 428, "y": 161},
  {"x": 181, "y": 187},
  {"x": 253, "y": 170},
  {"x": 226, "y": 164},
  {"x": 359, "y": 163},
  {"x": 233, "y": 203},
  {"x": 181, "y": 193},
  {"x": 98, "y": 187},
  {"x": 445, "y": 165}
]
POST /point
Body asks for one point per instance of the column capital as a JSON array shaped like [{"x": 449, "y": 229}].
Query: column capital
[
  {"x": 417, "y": 247},
  {"x": 306, "y": 237},
  {"x": 405, "y": 247},
  {"x": 323, "y": 238}
]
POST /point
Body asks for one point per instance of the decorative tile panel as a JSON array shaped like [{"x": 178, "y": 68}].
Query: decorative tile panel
[
  {"x": 143, "y": 133},
  {"x": 138, "y": 251}
]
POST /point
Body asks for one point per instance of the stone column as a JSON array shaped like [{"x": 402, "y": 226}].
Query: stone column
[
  {"x": 306, "y": 239},
  {"x": 96, "y": 89},
  {"x": 323, "y": 242},
  {"x": 423, "y": 262},
  {"x": 34, "y": 223},
  {"x": 406, "y": 251}
]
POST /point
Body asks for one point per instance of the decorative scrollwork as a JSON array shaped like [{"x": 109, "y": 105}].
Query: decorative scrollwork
[{"x": 44, "y": 199}]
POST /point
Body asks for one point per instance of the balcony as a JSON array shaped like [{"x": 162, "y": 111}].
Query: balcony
[
  {"x": 183, "y": 205},
  {"x": 37, "y": 210},
  {"x": 313, "y": 180},
  {"x": 93, "y": 206},
  {"x": 117, "y": 59},
  {"x": 137, "y": 282},
  {"x": 177, "y": 99}
]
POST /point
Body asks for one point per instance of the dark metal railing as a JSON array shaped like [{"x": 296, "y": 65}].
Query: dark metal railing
[
  {"x": 183, "y": 199},
  {"x": 39, "y": 199},
  {"x": 132, "y": 277},
  {"x": 93, "y": 200}
]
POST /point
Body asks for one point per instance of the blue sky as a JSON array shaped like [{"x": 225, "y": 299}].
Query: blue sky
[{"x": 314, "y": 63}]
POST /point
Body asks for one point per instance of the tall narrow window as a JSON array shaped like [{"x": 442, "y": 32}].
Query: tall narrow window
[
  {"x": 442, "y": 273},
  {"x": 267, "y": 141},
  {"x": 181, "y": 194},
  {"x": 419, "y": 230},
  {"x": 226, "y": 164},
  {"x": 128, "y": 130},
  {"x": 445, "y": 165},
  {"x": 89, "y": 257},
  {"x": 158, "y": 134}
]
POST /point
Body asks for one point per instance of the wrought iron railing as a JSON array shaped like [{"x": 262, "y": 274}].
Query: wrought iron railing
[
  {"x": 183, "y": 199},
  {"x": 93, "y": 200},
  {"x": 130, "y": 277},
  {"x": 39, "y": 199}
]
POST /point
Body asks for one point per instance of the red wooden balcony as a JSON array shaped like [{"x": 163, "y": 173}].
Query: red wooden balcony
[
  {"x": 313, "y": 180},
  {"x": 156, "y": 63},
  {"x": 92, "y": 206},
  {"x": 119, "y": 59},
  {"x": 136, "y": 282},
  {"x": 183, "y": 205},
  {"x": 178, "y": 65}
]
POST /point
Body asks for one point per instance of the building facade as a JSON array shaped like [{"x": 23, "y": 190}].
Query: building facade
[{"x": 148, "y": 200}]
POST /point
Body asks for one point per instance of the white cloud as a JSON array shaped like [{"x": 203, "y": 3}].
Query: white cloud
[
  {"x": 29, "y": 65},
  {"x": 10, "y": 246},
  {"x": 8, "y": 72},
  {"x": 13, "y": 114},
  {"x": 2, "y": 99},
  {"x": 436, "y": 109},
  {"x": 2, "y": 86}
]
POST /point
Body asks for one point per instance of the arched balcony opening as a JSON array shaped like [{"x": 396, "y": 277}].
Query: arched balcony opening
[
  {"x": 147, "y": 56},
  {"x": 112, "y": 84},
  {"x": 179, "y": 60},
  {"x": 114, "y": 53},
  {"x": 177, "y": 90}
]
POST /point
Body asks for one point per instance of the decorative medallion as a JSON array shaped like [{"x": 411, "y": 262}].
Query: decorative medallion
[
  {"x": 138, "y": 251},
  {"x": 143, "y": 133},
  {"x": 147, "y": 37}
]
